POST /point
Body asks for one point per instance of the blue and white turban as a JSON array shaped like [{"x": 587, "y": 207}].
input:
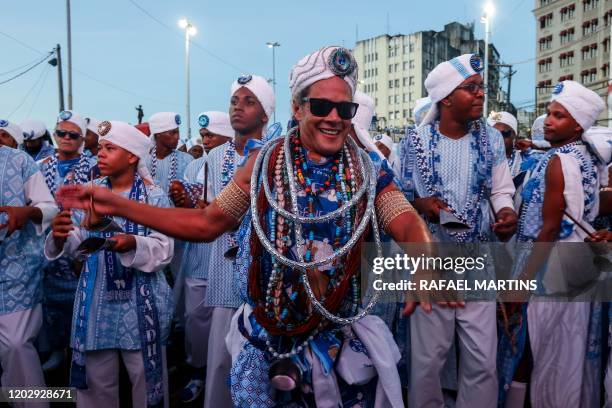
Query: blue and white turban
[{"x": 446, "y": 77}]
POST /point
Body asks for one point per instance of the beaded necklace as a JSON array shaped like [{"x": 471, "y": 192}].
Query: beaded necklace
[
  {"x": 281, "y": 305},
  {"x": 228, "y": 167},
  {"x": 428, "y": 160},
  {"x": 80, "y": 172},
  {"x": 173, "y": 163}
]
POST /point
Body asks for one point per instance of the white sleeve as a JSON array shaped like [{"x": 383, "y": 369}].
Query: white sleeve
[
  {"x": 502, "y": 191},
  {"x": 37, "y": 193},
  {"x": 74, "y": 239},
  {"x": 152, "y": 253}
]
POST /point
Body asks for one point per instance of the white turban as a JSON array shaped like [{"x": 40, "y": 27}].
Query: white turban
[
  {"x": 12, "y": 129},
  {"x": 446, "y": 77},
  {"x": 33, "y": 129},
  {"x": 362, "y": 121},
  {"x": 129, "y": 138},
  {"x": 421, "y": 107},
  {"x": 93, "y": 124},
  {"x": 323, "y": 64},
  {"x": 503, "y": 117},
  {"x": 584, "y": 105},
  {"x": 164, "y": 121},
  {"x": 537, "y": 133},
  {"x": 388, "y": 142},
  {"x": 260, "y": 88},
  {"x": 75, "y": 118},
  {"x": 217, "y": 123}
]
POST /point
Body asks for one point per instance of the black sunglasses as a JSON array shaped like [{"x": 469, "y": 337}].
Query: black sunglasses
[
  {"x": 473, "y": 88},
  {"x": 322, "y": 107},
  {"x": 506, "y": 133},
  {"x": 63, "y": 133}
]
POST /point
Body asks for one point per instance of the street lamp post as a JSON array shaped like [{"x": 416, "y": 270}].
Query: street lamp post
[
  {"x": 190, "y": 31},
  {"x": 273, "y": 45},
  {"x": 486, "y": 19}
]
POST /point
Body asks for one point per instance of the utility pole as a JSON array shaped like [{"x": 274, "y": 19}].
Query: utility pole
[
  {"x": 509, "y": 76},
  {"x": 57, "y": 62},
  {"x": 69, "y": 42}
]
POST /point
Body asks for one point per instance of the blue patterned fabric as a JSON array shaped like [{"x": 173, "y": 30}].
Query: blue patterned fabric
[
  {"x": 510, "y": 345},
  {"x": 194, "y": 263},
  {"x": 222, "y": 291},
  {"x": 21, "y": 255},
  {"x": 114, "y": 323},
  {"x": 163, "y": 168}
]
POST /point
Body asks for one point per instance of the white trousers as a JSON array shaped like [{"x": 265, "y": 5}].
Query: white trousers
[
  {"x": 432, "y": 335},
  {"x": 18, "y": 356},
  {"x": 558, "y": 339},
  {"x": 219, "y": 362},
  {"x": 197, "y": 322},
  {"x": 103, "y": 379}
]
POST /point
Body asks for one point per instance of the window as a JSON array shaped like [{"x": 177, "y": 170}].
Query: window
[
  {"x": 545, "y": 43},
  {"x": 396, "y": 67},
  {"x": 405, "y": 98},
  {"x": 405, "y": 114},
  {"x": 588, "y": 75},
  {"x": 545, "y": 65},
  {"x": 390, "y": 99},
  {"x": 545, "y": 2},
  {"x": 411, "y": 80},
  {"x": 390, "y": 68},
  {"x": 411, "y": 63},
  {"x": 390, "y": 84},
  {"x": 606, "y": 44},
  {"x": 405, "y": 81},
  {"x": 546, "y": 20},
  {"x": 567, "y": 36},
  {"x": 605, "y": 70},
  {"x": 590, "y": 27},
  {"x": 411, "y": 47},
  {"x": 568, "y": 12},
  {"x": 566, "y": 59},
  {"x": 396, "y": 98},
  {"x": 590, "y": 4},
  {"x": 405, "y": 65},
  {"x": 397, "y": 116},
  {"x": 589, "y": 51},
  {"x": 410, "y": 96}
]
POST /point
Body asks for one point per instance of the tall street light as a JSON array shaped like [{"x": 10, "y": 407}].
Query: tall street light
[
  {"x": 273, "y": 45},
  {"x": 190, "y": 31},
  {"x": 489, "y": 10}
]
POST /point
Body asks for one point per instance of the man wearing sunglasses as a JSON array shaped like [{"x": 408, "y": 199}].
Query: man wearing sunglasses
[
  {"x": 67, "y": 166},
  {"x": 323, "y": 160},
  {"x": 454, "y": 168}
]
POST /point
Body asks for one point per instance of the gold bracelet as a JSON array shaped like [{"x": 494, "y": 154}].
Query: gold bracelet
[
  {"x": 233, "y": 201},
  {"x": 389, "y": 206}
]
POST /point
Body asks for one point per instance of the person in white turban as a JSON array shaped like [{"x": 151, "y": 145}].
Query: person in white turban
[
  {"x": 322, "y": 91},
  {"x": 123, "y": 306},
  {"x": 561, "y": 206},
  {"x": 67, "y": 166},
  {"x": 454, "y": 139},
  {"x": 362, "y": 122},
  {"x": 11, "y": 134},
  {"x": 36, "y": 139},
  {"x": 507, "y": 125},
  {"x": 90, "y": 146},
  {"x": 421, "y": 107}
]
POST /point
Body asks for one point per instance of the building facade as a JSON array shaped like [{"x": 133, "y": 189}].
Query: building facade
[
  {"x": 393, "y": 68},
  {"x": 572, "y": 42}
]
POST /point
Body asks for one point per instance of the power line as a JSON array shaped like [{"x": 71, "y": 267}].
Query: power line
[
  {"x": 28, "y": 93},
  {"x": 194, "y": 43},
  {"x": 89, "y": 76},
  {"x": 27, "y": 70},
  {"x": 42, "y": 85},
  {"x": 18, "y": 68}
]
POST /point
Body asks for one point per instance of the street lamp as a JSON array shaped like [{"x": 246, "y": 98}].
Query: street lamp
[
  {"x": 489, "y": 10},
  {"x": 273, "y": 45},
  {"x": 190, "y": 31}
]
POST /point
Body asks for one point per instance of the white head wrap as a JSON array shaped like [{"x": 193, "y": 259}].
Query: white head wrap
[
  {"x": 129, "y": 138},
  {"x": 388, "y": 142},
  {"x": 217, "y": 123},
  {"x": 584, "y": 105},
  {"x": 260, "y": 88},
  {"x": 421, "y": 107},
  {"x": 33, "y": 129},
  {"x": 503, "y": 117},
  {"x": 163, "y": 121},
  {"x": 446, "y": 77},
  {"x": 362, "y": 121},
  {"x": 323, "y": 64},
  {"x": 93, "y": 124},
  {"x": 537, "y": 133},
  {"x": 12, "y": 129},
  {"x": 73, "y": 117}
]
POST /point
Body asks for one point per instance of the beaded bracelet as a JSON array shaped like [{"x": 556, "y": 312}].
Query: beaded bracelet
[
  {"x": 233, "y": 201},
  {"x": 391, "y": 205}
]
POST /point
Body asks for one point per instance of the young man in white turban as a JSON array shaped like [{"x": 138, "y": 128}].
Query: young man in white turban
[
  {"x": 90, "y": 145},
  {"x": 272, "y": 346},
  {"x": 11, "y": 134},
  {"x": 563, "y": 190},
  {"x": 455, "y": 165},
  {"x": 26, "y": 209},
  {"x": 196, "y": 192},
  {"x": 34, "y": 134},
  {"x": 123, "y": 305},
  {"x": 68, "y": 166}
]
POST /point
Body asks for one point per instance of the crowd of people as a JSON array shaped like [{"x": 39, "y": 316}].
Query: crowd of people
[{"x": 250, "y": 242}]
